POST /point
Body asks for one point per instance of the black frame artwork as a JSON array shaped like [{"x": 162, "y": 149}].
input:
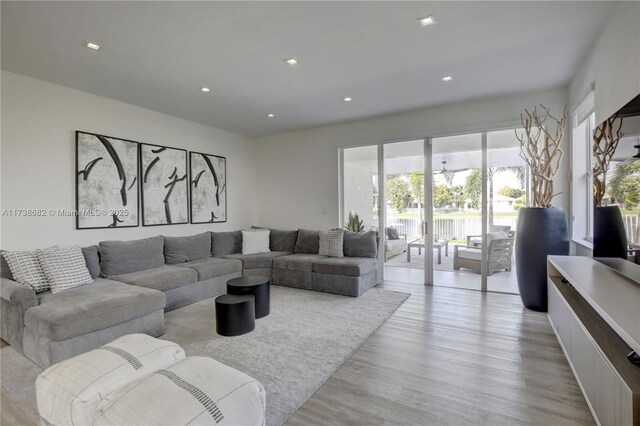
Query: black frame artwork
[
  {"x": 107, "y": 183},
  {"x": 208, "y": 188},
  {"x": 164, "y": 183}
]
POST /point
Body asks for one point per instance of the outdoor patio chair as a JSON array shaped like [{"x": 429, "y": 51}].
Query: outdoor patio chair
[
  {"x": 499, "y": 256},
  {"x": 476, "y": 240}
]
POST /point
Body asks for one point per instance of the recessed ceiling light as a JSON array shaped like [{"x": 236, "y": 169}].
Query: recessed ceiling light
[
  {"x": 425, "y": 21},
  {"x": 291, "y": 61},
  {"x": 271, "y": 115},
  {"x": 347, "y": 99},
  {"x": 93, "y": 46},
  {"x": 205, "y": 89},
  {"x": 447, "y": 78}
]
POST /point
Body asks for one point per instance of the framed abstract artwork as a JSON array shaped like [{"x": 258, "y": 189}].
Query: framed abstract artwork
[
  {"x": 208, "y": 188},
  {"x": 106, "y": 182},
  {"x": 164, "y": 183}
]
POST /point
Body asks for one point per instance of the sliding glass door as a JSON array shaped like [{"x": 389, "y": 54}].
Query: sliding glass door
[{"x": 446, "y": 207}]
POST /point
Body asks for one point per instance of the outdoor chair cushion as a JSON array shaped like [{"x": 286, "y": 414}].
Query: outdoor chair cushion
[
  {"x": 392, "y": 233},
  {"x": 297, "y": 262},
  {"x": 470, "y": 254},
  {"x": 81, "y": 310},
  {"x": 123, "y": 257},
  {"x": 350, "y": 266},
  {"x": 257, "y": 260},
  {"x": 162, "y": 278},
  {"x": 187, "y": 249},
  {"x": 213, "y": 267}
]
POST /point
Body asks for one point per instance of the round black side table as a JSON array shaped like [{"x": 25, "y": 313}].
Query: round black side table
[
  {"x": 235, "y": 315},
  {"x": 256, "y": 286}
]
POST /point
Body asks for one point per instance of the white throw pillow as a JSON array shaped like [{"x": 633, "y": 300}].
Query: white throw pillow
[
  {"x": 26, "y": 269},
  {"x": 64, "y": 268},
  {"x": 331, "y": 243},
  {"x": 255, "y": 241}
]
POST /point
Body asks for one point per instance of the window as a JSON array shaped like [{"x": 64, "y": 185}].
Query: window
[{"x": 583, "y": 124}]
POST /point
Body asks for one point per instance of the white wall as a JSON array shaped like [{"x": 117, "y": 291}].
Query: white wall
[
  {"x": 613, "y": 63},
  {"x": 38, "y": 160},
  {"x": 298, "y": 171}
]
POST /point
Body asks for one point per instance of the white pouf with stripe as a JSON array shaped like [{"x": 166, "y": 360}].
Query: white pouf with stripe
[
  {"x": 195, "y": 391},
  {"x": 70, "y": 392}
]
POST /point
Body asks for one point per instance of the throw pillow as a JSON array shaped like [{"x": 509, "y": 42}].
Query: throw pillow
[
  {"x": 224, "y": 243},
  {"x": 26, "y": 269},
  {"x": 64, "y": 268},
  {"x": 331, "y": 243},
  {"x": 392, "y": 234},
  {"x": 307, "y": 242},
  {"x": 360, "y": 244},
  {"x": 255, "y": 241}
]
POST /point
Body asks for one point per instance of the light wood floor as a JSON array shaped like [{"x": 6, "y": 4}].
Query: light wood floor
[
  {"x": 451, "y": 356},
  {"x": 446, "y": 357}
]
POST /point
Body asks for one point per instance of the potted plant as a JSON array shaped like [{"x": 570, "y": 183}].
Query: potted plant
[
  {"x": 542, "y": 228},
  {"x": 609, "y": 235},
  {"x": 355, "y": 223}
]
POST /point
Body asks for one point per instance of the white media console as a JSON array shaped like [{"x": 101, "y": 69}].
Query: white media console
[{"x": 595, "y": 313}]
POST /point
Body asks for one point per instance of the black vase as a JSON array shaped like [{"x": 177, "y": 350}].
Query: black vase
[
  {"x": 540, "y": 232},
  {"x": 609, "y": 235}
]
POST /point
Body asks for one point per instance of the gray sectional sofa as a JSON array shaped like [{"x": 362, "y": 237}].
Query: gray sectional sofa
[{"x": 137, "y": 281}]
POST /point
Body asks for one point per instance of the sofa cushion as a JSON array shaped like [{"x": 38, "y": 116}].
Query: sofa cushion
[
  {"x": 360, "y": 244},
  {"x": 258, "y": 260},
  {"x": 213, "y": 267},
  {"x": 280, "y": 240},
  {"x": 297, "y": 262},
  {"x": 223, "y": 243},
  {"x": 123, "y": 257},
  {"x": 187, "y": 249},
  {"x": 162, "y": 278},
  {"x": 92, "y": 259},
  {"x": 308, "y": 242},
  {"x": 84, "y": 309},
  {"x": 391, "y": 244},
  {"x": 351, "y": 266}
]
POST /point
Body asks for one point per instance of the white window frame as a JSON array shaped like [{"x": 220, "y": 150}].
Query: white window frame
[{"x": 583, "y": 125}]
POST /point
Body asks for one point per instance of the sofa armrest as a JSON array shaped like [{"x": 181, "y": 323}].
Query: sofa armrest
[
  {"x": 16, "y": 298},
  {"x": 18, "y": 294}
]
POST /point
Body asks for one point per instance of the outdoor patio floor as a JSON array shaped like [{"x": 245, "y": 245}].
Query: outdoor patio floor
[{"x": 398, "y": 269}]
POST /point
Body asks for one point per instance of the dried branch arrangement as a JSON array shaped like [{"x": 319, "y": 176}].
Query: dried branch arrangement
[
  {"x": 543, "y": 157},
  {"x": 605, "y": 143}
]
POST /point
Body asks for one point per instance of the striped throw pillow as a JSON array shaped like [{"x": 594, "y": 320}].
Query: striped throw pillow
[
  {"x": 64, "y": 268},
  {"x": 25, "y": 268}
]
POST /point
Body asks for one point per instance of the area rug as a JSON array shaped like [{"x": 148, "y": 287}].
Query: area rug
[{"x": 292, "y": 352}]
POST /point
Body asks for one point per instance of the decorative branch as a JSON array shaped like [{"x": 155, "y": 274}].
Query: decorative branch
[
  {"x": 605, "y": 143},
  {"x": 543, "y": 158}
]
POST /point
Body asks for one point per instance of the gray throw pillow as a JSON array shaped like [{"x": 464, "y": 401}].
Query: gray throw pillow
[
  {"x": 392, "y": 234},
  {"x": 307, "y": 242},
  {"x": 5, "y": 271},
  {"x": 280, "y": 240},
  {"x": 122, "y": 257},
  {"x": 224, "y": 243},
  {"x": 92, "y": 259},
  {"x": 360, "y": 244},
  {"x": 187, "y": 249},
  {"x": 331, "y": 243}
]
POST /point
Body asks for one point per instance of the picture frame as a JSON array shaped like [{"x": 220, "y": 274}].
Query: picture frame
[
  {"x": 107, "y": 181},
  {"x": 164, "y": 184},
  {"x": 207, "y": 188}
]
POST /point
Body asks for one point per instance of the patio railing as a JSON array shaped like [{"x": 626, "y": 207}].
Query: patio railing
[{"x": 453, "y": 227}]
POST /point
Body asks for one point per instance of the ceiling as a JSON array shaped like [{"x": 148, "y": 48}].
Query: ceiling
[{"x": 157, "y": 55}]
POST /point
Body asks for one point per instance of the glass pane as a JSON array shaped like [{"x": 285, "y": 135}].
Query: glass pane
[
  {"x": 361, "y": 187},
  {"x": 506, "y": 194},
  {"x": 404, "y": 186},
  {"x": 457, "y": 215}
]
